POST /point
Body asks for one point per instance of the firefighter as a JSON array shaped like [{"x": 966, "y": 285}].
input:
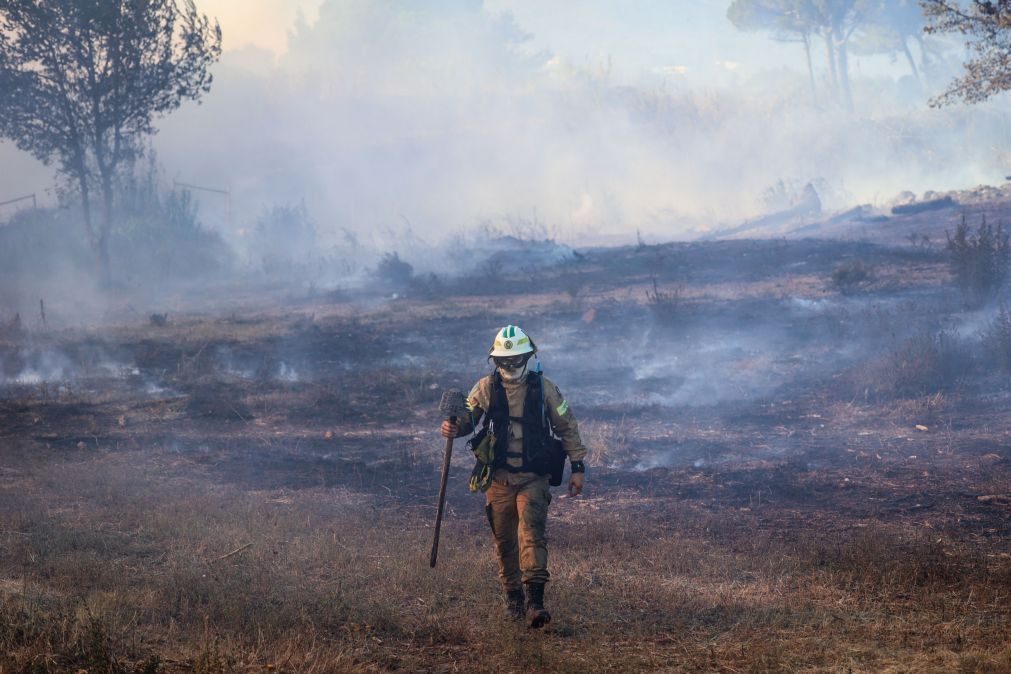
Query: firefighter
[{"x": 530, "y": 422}]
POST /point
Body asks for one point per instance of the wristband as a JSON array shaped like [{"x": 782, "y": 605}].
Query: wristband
[{"x": 577, "y": 466}]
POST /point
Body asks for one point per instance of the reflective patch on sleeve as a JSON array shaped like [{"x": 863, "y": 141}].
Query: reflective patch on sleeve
[{"x": 563, "y": 408}]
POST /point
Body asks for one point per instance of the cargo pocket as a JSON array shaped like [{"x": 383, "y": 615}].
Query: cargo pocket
[{"x": 535, "y": 515}]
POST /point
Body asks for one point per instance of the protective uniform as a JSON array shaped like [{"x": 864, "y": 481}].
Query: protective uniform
[{"x": 517, "y": 500}]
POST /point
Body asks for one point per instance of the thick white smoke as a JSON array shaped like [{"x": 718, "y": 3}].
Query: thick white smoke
[{"x": 400, "y": 121}]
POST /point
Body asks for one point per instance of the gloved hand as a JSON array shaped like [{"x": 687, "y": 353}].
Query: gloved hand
[
  {"x": 576, "y": 484},
  {"x": 449, "y": 429}
]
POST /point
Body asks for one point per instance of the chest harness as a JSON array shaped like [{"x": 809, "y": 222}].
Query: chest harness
[{"x": 536, "y": 431}]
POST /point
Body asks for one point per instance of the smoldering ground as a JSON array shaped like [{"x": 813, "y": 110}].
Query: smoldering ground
[{"x": 755, "y": 446}]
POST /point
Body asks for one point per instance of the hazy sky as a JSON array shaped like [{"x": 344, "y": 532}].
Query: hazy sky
[
  {"x": 596, "y": 115},
  {"x": 264, "y": 23},
  {"x": 691, "y": 40}
]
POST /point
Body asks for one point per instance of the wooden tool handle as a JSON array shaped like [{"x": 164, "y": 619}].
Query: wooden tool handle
[{"x": 442, "y": 498}]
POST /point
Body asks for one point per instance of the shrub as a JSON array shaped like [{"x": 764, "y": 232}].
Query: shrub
[
  {"x": 394, "y": 272},
  {"x": 285, "y": 238},
  {"x": 157, "y": 234},
  {"x": 44, "y": 243},
  {"x": 926, "y": 363},
  {"x": 851, "y": 276},
  {"x": 996, "y": 339},
  {"x": 428, "y": 286},
  {"x": 979, "y": 261},
  {"x": 663, "y": 304}
]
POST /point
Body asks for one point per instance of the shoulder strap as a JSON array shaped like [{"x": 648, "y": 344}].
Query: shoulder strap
[
  {"x": 536, "y": 387},
  {"x": 497, "y": 400}
]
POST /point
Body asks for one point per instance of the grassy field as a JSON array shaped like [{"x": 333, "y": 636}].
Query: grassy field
[{"x": 786, "y": 474}]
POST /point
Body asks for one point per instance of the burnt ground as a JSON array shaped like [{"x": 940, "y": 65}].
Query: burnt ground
[{"x": 785, "y": 474}]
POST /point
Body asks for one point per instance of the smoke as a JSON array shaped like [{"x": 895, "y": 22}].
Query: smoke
[
  {"x": 419, "y": 122},
  {"x": 404, "y": 126}
]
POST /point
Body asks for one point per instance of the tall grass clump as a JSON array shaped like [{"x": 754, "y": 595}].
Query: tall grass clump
[
  {"x": 852, "y": 276},
  {"x": 979, "y": 260},
  {"x": 920, "y": 365},
  {"x": 663, "y": 304},
  {"x": 996, "y": 340}
]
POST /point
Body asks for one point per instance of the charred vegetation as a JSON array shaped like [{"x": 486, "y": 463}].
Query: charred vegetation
[{"x": 771, "y": 454}]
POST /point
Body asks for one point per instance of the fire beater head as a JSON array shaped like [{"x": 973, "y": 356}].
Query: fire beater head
[{"x": 453, "y": 404}]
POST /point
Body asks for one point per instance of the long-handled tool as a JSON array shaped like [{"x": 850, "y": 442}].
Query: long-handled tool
[{"x": 452, "y": 406}]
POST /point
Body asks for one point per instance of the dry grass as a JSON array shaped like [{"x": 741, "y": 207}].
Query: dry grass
[
  {"x": 240, "y": 520},
  {"x": 922, "y": 365},
  {"x": 114, "y": 563},
  {"x": 605, "y": 442}
]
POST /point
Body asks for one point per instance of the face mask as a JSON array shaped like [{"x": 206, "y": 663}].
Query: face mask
[
  {"x": 513, "y": 376},
  {"x": 512, "y": 368}
]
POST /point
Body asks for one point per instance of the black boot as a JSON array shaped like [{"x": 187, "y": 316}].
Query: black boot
[
  {"x": 537, "y": 615},
  {"x": 515, "y": 601}
]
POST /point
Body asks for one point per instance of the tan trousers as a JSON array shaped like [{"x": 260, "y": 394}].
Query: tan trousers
[{"x": 517, "y": 510}]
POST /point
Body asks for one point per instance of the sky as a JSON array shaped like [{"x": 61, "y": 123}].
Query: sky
[
  {"x": 261, "y": 23},
  {"x": 641, "y": 38},
  {"x": 391, "y": 119}
]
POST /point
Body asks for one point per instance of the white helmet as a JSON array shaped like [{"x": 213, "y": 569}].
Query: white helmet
[{"x": 511, "y": 341}]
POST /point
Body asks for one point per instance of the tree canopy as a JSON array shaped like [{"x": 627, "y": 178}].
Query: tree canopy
[
  {"x": 835, "y": 22},
  {"x": 82, "y": 81},
  {"x": 891, "y": 28},
  {"x": 986, "y": 26}
]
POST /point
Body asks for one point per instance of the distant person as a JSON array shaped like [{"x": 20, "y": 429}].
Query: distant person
[{"x": 533, "y": 430}]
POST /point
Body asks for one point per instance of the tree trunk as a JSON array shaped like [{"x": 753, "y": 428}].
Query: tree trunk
[
  {"x": 830, "y": 53},
  {"x": 96, "y": 243},
  {"x": 810, "y": 68},
  {"x": 844, "y": 76},
  {"x": 105, "y": 175},
  {"x": 102, "y": 163},
  {"x": 105, "y": 273}
]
